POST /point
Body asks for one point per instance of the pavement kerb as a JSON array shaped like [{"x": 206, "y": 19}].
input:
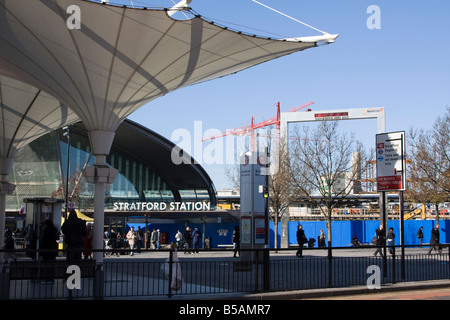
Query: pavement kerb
[
  {"x": 317, "y": 293},
  {"x": 357, "y": 290}
]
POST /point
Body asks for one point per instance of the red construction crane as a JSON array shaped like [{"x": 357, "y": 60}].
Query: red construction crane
[{"x": 253, "y": 126}]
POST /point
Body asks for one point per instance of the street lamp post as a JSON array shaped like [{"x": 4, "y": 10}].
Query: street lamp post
[
  {"x": 266, "y": 223},
  {"x": 67, "y": 135}
]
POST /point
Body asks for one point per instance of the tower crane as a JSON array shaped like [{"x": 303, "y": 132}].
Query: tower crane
[{"x": 254, "y": 126}]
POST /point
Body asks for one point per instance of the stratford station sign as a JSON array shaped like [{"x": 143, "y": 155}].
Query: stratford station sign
[{"x": 162, "y": 206}]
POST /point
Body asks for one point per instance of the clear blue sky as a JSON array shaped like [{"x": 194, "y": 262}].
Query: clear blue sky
[{"x": 404, "y": 67}]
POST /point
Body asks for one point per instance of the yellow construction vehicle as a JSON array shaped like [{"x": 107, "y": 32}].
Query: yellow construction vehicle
[{"x": 415, "y": 213}]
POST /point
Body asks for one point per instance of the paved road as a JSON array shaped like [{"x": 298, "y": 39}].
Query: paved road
[
  {"x": 307, "y": 253},
  {"x": 429, "y": 294}
]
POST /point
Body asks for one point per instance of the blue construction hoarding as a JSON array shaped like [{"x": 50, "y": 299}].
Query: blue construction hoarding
[{"x": 342, "y": 231}]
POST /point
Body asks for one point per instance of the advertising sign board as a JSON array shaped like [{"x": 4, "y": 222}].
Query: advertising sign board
[{"x": 391, "y": 168}]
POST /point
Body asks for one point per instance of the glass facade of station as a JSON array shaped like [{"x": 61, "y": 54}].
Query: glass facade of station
[
  {"x": 36, "y": 172},
  {"x": 40, "y": 169}
]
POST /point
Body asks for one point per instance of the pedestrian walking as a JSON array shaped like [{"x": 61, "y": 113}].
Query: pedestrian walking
[
  {"x": 74, "y": 229},
  {"x": 420, "y": 235},
  {"x": 158, "y": 239},
  {"x": 148, "y": 236},
  {"x": 391, "y": 240},
  {"x": 236, "y": 240},
  {"x": 434, "y": 241},
  {"x": 132, "y": 238},
  {"x": 9, "y": 247},
  {"x": 49, "y": 247},
  {"x": 380, "y": 240},
  {"x": 87, "y": 242},
  {"x": 301, "y": 240},
  {"x": 115, "y": 242},
  {"x": 154, "y": 239},
  {"x": 139, "y": 238},
  {"x": 179, "y": 239},
  {"x": 50, "y": 236},
  {"x": 196, "y": 238},
  {"x": 187, "y": 236}
]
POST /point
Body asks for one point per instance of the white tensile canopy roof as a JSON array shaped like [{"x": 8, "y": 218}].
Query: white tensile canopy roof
[
  {"x": 120, "y": 59},
  {"x": 26, "y": 113}
]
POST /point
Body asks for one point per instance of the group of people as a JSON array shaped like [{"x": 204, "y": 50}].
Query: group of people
[
  {"x": 189, "y": 240},
  {"x": 380, "y": 240},
  {"x": 152, "y": 240},
  {"x": 188, "y": 237},
  {"x": 77, "y": 238},
  {"x": 301, "y": 240},
  {"x": 133, "y": 240}
]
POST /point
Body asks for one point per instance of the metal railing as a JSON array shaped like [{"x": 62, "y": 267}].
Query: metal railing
[{"x": 215, "y": 273}]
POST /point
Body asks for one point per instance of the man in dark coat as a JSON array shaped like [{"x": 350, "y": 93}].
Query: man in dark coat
[
  {"x": 420, "y": 235},
  {"x": 74, "y": 229},
  {"x": 49, "y": 247},
  {"x": 301, "y": 239},
  {"x": 196, "y": 237},
  {"x": 50, "y": 236},
  {"x": 381, "y": 240},
  {"x": 187, "y": 236},
  {"x": 434, "y": 241}
]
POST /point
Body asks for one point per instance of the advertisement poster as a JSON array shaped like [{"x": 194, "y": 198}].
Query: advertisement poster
[
  {"x": 260, "y": 231},
  {"x": 246, "y": 230}
]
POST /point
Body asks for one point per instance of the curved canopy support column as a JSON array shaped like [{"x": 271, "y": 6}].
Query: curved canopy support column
[
  {"x": 5, "y": 189},
  {"x": 100, "y": 174}
]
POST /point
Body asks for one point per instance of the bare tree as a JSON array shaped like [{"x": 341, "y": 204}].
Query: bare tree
[
  {"x": 232, "y": 174},
  {"x": 326, "y": 166},
  {"x": 421, "y": 190},
  {"x": 430, "y": 169},
  {"x": 281, "y": 190},
  {"x": 280, "y": 187}
]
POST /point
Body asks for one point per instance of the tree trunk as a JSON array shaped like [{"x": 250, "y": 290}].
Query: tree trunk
[
  {"x": 329, "y": 233},
  {"x": 275, "y": 229},
  {"x": 329, "y": 228},
  {"x": 437, "y": 212}
]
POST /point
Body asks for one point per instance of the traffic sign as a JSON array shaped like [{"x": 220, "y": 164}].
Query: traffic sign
[{"x": 391, "y": 166}]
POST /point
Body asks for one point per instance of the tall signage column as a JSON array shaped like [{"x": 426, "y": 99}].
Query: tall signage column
[
  {"x": 391, "y": 174},
  {"x": 252, "y": 202}
]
